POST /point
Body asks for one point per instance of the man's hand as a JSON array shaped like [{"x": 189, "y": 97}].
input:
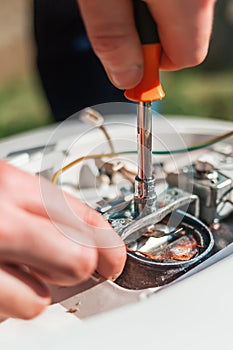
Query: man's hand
[
  {"x": 36, "y": 217},
  {"x": 184, "y": 28}
]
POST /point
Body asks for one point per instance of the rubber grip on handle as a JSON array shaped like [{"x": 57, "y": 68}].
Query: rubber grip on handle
[{"x": 149, "y": 89}]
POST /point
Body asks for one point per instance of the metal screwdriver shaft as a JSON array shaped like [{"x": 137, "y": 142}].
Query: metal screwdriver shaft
[
  {"x": 145, "y": 194},
  {"x": 149, "y": 89},
  {"x": 144, "y": 140}
]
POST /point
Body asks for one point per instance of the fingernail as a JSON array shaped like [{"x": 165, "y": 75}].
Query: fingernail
[
  {"x": 126, "y": 79},
  {"x": 43, "y": 301},
  {"x": 113, "y": 278}
]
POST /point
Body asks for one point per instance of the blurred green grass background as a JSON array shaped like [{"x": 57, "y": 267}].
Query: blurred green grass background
[
  {"x": 22, "y": 106},
  {"x": 190, "y": 92},
  {"x": 195, "y": 92}
]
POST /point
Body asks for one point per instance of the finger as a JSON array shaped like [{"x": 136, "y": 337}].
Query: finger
[
  {"x": 111, "y": 30},
  {"x": 47, "y": 200},
  {"x": 35, "y": 194},
  {"x": 111, "y": 262},
  {"x": 111, "y": 248},
  {"x": 65, "y": 212},
  {"x": 3, "y": 318},
  {"x": 78, "y": 216},
  {"x": 184, "y": 29},
  {"x": 21, "y": 295},
  {"x": 37, "y": 243},
  {"x": 50, "y": 202}
]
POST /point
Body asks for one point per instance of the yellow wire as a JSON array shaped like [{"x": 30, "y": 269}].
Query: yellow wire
[
  {"x": 78, "y": 160},
  {"x": 97, "y": 156}
]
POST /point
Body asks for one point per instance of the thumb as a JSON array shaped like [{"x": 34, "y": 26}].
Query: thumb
[{"x": 112, "y": 32}]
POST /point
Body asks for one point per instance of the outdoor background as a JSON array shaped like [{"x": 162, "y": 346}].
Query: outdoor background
[{"x": 204, "y": 91}]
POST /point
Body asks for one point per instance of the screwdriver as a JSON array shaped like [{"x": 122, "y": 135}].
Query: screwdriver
[{"x": 147, "y": 91}]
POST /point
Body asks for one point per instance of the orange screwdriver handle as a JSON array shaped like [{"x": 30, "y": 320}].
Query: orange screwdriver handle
[{"x": 149, "y": 89}]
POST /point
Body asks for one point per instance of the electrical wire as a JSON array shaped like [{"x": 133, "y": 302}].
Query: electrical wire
[
  {"x": 206, "y": 144},
  {"x": 81, "y": 159}
]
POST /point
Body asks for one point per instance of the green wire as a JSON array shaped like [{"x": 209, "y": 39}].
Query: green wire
[
  {"x": 174, "y": 151},
  {"x": 208, "y": 143}
]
